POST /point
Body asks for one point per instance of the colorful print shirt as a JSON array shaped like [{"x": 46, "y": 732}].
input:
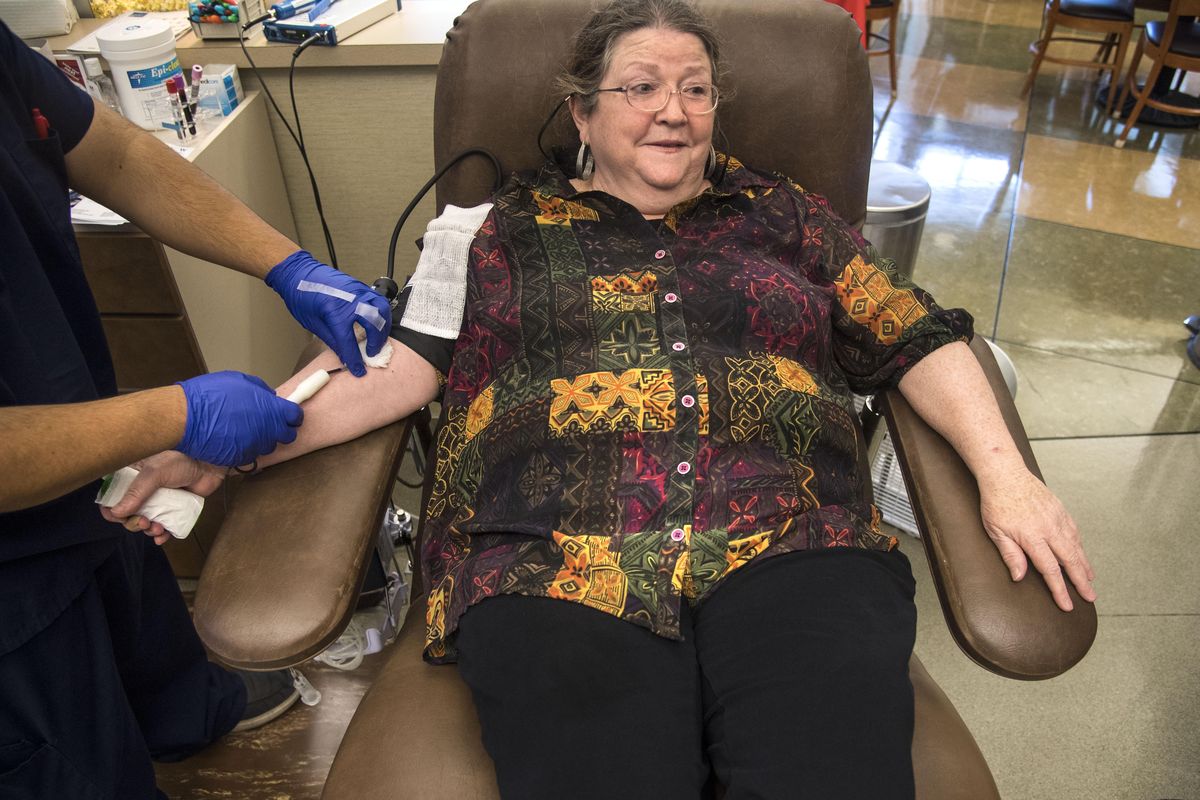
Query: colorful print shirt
[{"x": 636, "y": 408}]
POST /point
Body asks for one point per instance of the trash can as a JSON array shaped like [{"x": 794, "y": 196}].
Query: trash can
[{"x": 897, "y": 200}]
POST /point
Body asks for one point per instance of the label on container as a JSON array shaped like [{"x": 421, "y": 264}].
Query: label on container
[
  {"x": 148, "y": 77},
  {"x": 72, "y": 67}
]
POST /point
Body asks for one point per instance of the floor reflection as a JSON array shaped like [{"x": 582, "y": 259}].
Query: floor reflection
[{"x": 1051, "y": 237}]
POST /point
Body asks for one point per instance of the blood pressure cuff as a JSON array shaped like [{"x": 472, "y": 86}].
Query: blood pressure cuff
[
  {"x": 434, "y": 349},
  {"x": 430, "y": 311}
]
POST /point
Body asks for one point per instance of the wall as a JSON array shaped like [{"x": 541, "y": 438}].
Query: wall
[{"x": 369, "y": 137}]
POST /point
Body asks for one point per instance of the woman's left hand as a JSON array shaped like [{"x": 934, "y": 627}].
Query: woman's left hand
[{"x": 1027, "y": 522}]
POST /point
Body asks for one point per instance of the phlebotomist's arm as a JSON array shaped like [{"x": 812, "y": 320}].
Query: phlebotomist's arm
[
  {"x": 139, "y": 177},
  {"x": 120, "y": 166},
  {"x": 51, "y": 450},
  {"x": 224, "y": 418}
]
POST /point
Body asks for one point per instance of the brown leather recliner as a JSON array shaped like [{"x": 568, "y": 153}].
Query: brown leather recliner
[{"x": 803, "y": 107}]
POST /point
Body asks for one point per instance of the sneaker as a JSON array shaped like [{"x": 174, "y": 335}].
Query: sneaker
[{"x": 268, "y": 694}]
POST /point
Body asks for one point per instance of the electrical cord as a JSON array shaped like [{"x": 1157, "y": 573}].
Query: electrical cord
[
  {"x": 418, "y": 457},
  {"x": 241, "y": 31},
  {"x": 546, "y": 124},
  {"x": 388, "y": 287},
  {"x": 242, "y": 42},
  {"x": 303, "y": 150},
  {"x": 404, "y": 215}
]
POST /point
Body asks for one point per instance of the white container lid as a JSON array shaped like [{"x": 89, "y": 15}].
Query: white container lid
[
  {"x": 893, "y": 188},
  {"x": 129, "y": 36}
]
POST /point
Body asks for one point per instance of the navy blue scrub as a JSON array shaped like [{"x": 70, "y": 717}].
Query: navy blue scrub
[{"x": 100, "y": 666}]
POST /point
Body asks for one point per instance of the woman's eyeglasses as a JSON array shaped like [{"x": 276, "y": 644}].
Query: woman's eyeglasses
[{"x": 697, "y": 98}]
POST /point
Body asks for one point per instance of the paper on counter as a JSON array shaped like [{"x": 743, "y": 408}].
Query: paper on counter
[{"x": 89, "y": 212}]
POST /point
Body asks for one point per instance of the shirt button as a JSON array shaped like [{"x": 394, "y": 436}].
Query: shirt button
[
  {"x": 678, "y": 346},
  {"x": 683, "y": 468},
  {"x": 670, "y": 297},
  {"x": 660, "y": 254},
  {"x": 688, "y": 401},
  {"x": 677, "y": 534}
]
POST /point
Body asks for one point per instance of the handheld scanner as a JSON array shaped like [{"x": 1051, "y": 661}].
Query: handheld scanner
[
  {"x": 319, "y": 8},
  {"x": 290, "y": 8}
]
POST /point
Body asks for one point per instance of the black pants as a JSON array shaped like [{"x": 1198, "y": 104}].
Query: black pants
[
  {"x": 791, "y": 682},
  {"x": 118, "y": 678}
]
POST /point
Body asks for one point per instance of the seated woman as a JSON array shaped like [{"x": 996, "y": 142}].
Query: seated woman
[{"x": 648, "y": 361}]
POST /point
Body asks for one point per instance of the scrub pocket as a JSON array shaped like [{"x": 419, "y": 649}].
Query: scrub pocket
[
  {"x": 46, "y": 171},
  {"x": 30, "y": 770},
  {"x": 49, "y": 152}
]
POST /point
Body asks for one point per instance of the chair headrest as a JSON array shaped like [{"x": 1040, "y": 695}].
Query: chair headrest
[{"x": 801, "y": 92}]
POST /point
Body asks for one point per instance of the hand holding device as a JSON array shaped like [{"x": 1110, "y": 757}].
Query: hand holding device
[
  {"x": 233, "y": 418},
  {"x": 328, "y": 303},
  {"x": 175, "y": 510}
]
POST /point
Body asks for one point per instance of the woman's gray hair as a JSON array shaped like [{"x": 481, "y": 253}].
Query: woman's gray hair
[{"x": 592, "y": 48}]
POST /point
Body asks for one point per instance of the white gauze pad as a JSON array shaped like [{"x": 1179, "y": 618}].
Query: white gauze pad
[
  {"x": 175, "y": 509},
  {"x": 380, "y": 359}
]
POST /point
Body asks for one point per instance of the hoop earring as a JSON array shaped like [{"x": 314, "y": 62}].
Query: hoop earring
[
  {"x": 710, "y": 166},
  {"x": 585, "y": 165}
]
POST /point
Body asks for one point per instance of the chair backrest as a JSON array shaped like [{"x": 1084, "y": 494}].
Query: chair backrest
[
  {"x": 801, "y": 104},
  {"x": 1179, "y": 12},
  {"x": 1185, "y": 8}
]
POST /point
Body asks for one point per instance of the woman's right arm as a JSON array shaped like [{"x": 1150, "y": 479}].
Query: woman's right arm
[
  {"x": 344, "y": 409},
  {"x": 347, "y": 407}
]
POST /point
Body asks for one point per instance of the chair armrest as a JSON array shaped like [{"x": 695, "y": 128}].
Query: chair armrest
[
  {"x": 1012, "y": 629},
  {"x": 284, "y": 573}
]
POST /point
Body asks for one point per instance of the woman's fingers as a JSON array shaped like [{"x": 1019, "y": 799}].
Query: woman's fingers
[
  {"x": 138, "y": 524},
  {"x": 1069, "y": 553},
  {"x": 1045, "y": 562},
  {"x": 1057, "y": 558},
  {"x": 1013, "y": 555}
]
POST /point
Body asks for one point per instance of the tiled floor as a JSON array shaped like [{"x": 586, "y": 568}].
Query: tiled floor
[{"x": 1081, "y": 260}]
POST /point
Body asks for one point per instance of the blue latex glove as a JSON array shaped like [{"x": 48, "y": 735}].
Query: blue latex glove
[
  {"x": 328, "y": 303},
  {"x": 233, "y": 418}
]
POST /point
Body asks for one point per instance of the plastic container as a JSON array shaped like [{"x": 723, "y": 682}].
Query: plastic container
[
  {"x": 142, "y": 57},
  {"x": 219, "y": 19},
  {"x": 100, "y": 86}
]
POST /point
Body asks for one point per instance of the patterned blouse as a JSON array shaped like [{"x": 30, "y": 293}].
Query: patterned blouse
[{"x": 634, "y": 409}]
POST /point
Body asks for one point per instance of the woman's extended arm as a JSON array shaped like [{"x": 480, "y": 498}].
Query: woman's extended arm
[
  {"x": 1024, "y": 518},
  {"x": 346, "y": 408}
]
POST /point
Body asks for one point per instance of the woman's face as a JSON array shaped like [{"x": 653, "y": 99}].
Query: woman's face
[{"x": 639, "y": 150}]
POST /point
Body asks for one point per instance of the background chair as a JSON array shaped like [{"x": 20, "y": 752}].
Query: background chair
[
  {"x": 1173, "y": 43},
  {"x": 886, "y": 11},
  {"x": 1113, "y": 18},
  {"x": 415, "y": 733}
]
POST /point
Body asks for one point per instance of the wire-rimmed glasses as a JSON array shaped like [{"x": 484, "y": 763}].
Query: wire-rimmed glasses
[{"x": 653, "y": 96}]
